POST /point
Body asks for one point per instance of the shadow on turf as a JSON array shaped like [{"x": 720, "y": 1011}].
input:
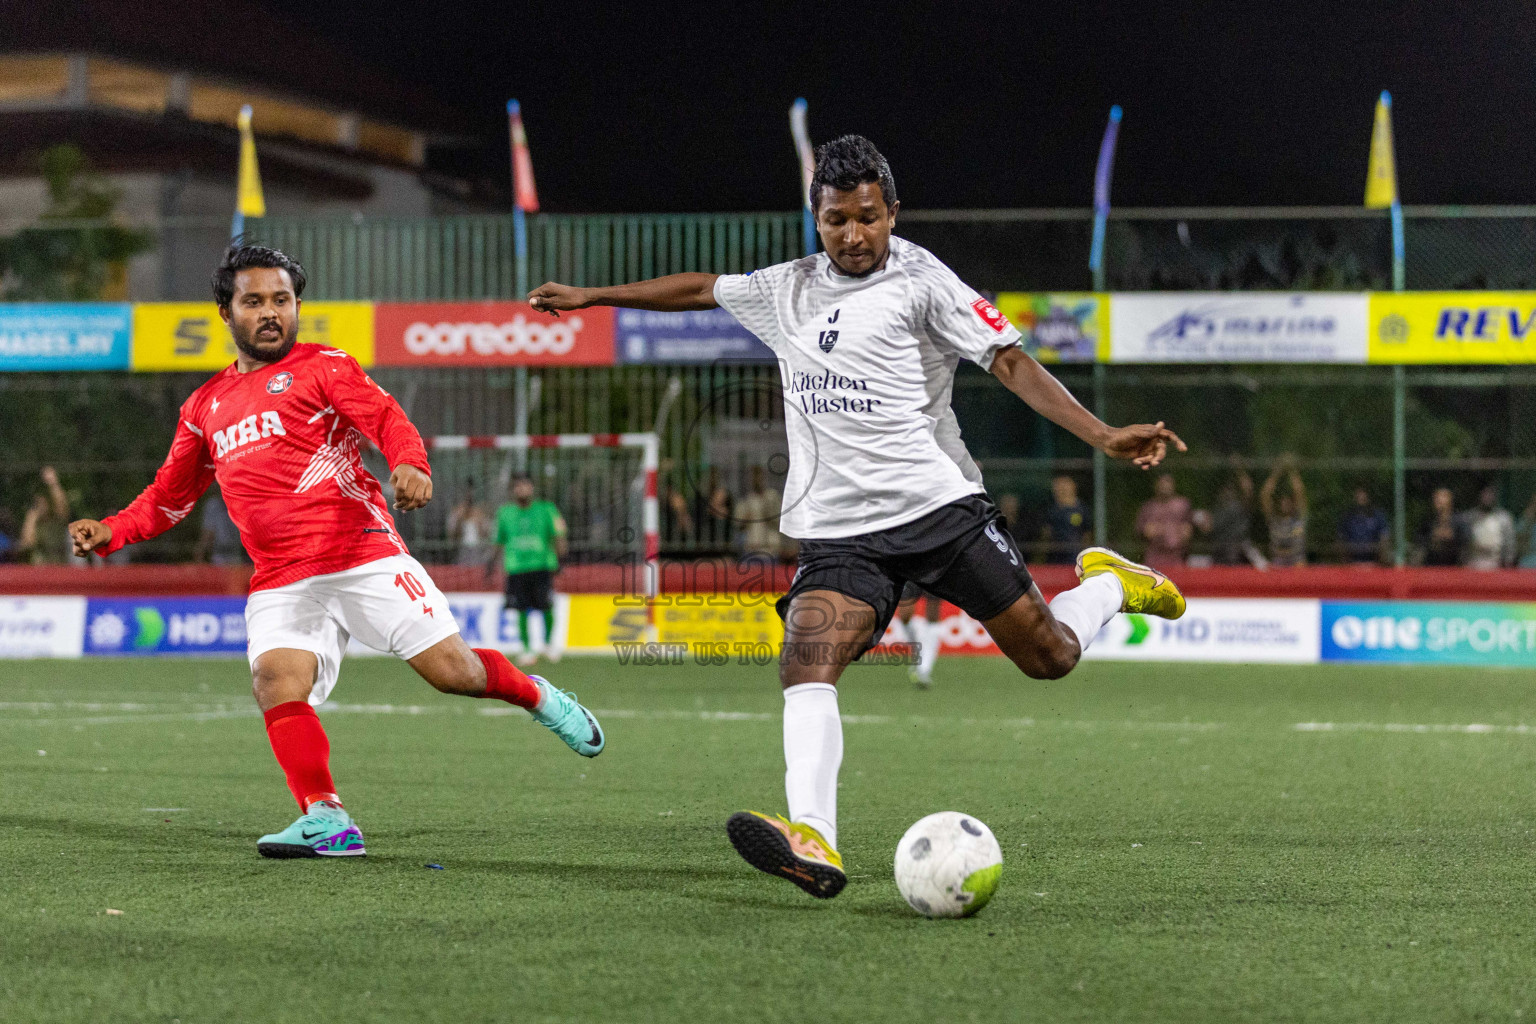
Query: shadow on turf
[
  {"x": 607, "y": 875},
  {"x": 160, "y": 833}
]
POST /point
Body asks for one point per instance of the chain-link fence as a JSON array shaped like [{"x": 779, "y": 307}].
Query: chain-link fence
[{"x": 1458, "y": 428}]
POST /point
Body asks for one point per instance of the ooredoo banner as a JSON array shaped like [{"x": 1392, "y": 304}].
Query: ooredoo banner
[
  {"x": 490, "y": 334},
  {"x": 1238, "y": 327}
]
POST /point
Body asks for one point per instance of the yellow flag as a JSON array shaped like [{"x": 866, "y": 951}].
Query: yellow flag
[
  {"x": 250, "y": 203},
  {"x": 1381, "y": 175}
]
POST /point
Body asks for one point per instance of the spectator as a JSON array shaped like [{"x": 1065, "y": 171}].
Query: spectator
[
  {"x": 1231, "y": 520},
  {"x": 1165, "y": 523},
  {"x": 1286, "y": 515},
  {"x": 759, "y": 513},
  {"x": 711, "y": 514},
  {"x": 1443, "y": 536},
  {"x": 1066, "y": 530},
  {"x": 8, "y": 536},
  {"x": 1526, "y": 529},
  {"x": 44, "y": 538},
  {"x": 219, "y": 542},
  {"x": 1363, "y": 532},
  {"x": 1489, "y": 533},
  {"x": 469, "y": 530}
]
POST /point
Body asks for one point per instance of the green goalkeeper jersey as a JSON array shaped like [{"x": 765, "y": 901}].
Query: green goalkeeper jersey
[{"x": 527, "y": 535}]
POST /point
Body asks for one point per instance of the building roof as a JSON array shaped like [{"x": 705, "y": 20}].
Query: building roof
[{"x": 226, "y": 42}]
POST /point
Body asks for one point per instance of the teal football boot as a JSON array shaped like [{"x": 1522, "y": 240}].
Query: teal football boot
[
  {"x": 561, "y": 715},
  {"x": 325, "y": 830}
]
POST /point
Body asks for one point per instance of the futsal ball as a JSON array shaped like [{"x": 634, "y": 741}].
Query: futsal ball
[{"x": 947, "y": 865}]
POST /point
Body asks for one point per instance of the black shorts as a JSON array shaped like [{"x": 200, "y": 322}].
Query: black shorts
[
  {"x": 529, "y": 590},
  {"x": 961, "y": 552}
]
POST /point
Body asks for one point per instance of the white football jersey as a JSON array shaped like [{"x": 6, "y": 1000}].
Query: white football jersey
[{"x": 867, "y": 366}]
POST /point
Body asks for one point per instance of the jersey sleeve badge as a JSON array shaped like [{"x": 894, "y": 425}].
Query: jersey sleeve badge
[{"x": 990, "y": 315}]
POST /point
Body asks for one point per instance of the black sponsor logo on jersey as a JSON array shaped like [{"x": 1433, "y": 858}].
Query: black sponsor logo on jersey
[
  {"x": 833, "y": 318},
  {"x": 827, "y": 340}
]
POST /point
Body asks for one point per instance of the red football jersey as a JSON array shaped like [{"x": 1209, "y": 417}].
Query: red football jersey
[{"x": 282, "y": 441}]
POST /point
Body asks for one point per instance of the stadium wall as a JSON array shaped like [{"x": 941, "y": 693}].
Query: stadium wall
[{"x": 1360, "y": 622}]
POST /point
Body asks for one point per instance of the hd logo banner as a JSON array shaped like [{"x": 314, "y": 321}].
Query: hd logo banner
[
  {"x": 156, "y": 626},
  {"x": 1453, "y": 327},
  {"x": 191, "y": 336}
]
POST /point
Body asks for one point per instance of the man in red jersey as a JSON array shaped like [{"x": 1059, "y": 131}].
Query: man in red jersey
[{"x": 279, "y": 430}]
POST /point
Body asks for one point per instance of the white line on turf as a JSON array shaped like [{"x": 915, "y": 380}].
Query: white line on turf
[{"x": 1470, "y": 729}]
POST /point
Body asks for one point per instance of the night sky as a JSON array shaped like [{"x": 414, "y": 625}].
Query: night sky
[{"x": 651, "y": 107}]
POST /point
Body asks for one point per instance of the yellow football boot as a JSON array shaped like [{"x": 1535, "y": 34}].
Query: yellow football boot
[
  {"x": 1146, "y": 590},
  {"x": 789, "y": 849}
]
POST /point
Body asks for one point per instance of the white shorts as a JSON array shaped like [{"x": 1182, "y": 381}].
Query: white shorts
[{"x": 391, "y": 605}]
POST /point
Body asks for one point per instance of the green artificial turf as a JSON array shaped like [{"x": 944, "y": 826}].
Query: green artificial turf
[{"x": 1176, "y": 849}]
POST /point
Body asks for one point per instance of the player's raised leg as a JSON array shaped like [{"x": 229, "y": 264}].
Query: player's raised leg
[
  {"x": 1046, "y": 641},
  {"x": 452, "y": 666},
  {"x": 823, "y": 632}
]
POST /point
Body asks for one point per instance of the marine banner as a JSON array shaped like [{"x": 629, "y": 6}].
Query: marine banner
[{"x": 1238, "y": 327}]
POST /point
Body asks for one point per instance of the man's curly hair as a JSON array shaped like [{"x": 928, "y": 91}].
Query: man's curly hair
[
  {"x": 846, "y": 163},
  {"x": 240, "y": 256}
]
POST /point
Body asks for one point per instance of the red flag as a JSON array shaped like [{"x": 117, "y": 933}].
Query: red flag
[{"x": 525, "y": 195}]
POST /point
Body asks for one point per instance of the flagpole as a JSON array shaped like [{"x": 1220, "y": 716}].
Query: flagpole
[
  {"x": 807, "y": 155},
  {"x": 1101, "y": 178},
  {"x": 249, "y": 200},
  {"x": 519, "y": 218}
]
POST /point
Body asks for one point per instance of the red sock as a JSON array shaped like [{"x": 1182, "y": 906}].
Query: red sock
[
  {"x": 505, "y": 681},
  {"x": 302, "y": 750}
]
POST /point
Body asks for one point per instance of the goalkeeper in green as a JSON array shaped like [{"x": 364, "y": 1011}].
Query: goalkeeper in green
[{"x": 531, "y": 535}]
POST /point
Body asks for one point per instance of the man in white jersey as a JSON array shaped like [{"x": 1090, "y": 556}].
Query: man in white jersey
[{"x": 881, "y": 490}]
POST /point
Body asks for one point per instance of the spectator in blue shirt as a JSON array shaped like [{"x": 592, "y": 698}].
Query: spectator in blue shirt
[{"x": 1363, "y": 532}]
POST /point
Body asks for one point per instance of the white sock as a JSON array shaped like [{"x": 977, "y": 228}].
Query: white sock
[
  {"x": 1088, "y": 606},
  {"x": 813, "y": 752},
  {"x": 930, "y": 645},
  {"x": 535, "y": 631},
  {"x": 904, "y": 634}
]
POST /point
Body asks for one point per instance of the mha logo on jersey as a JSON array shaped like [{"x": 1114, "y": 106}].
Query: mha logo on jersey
[{"x": 238, "y": 435}]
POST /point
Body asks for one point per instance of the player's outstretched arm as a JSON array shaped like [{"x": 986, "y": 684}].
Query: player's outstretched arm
[
  {"x": 180, "y": 481},
  {"x": 88, "y": 535},
  {"x": 1145, "y": 444},
  {"x": 674, "y": 293}
]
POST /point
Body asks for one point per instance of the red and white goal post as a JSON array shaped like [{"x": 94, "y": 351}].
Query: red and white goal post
[{"x": 647, "y": 444}]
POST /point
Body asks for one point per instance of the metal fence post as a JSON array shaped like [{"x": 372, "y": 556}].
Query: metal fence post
[
  {"x": 1399, "y": 465},
  {"x": 1100, "y": 466}
]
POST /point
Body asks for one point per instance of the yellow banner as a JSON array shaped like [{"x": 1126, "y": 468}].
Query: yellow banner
[
  {"x": 599, "y": 621},
  {"x": 190, "y": 335},
  {"x": 1453, "y": 327},
  {"x": 1060, "y": 327}
]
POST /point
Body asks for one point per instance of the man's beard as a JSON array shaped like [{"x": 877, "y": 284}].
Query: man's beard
[{"x": 243, "y": 343}]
